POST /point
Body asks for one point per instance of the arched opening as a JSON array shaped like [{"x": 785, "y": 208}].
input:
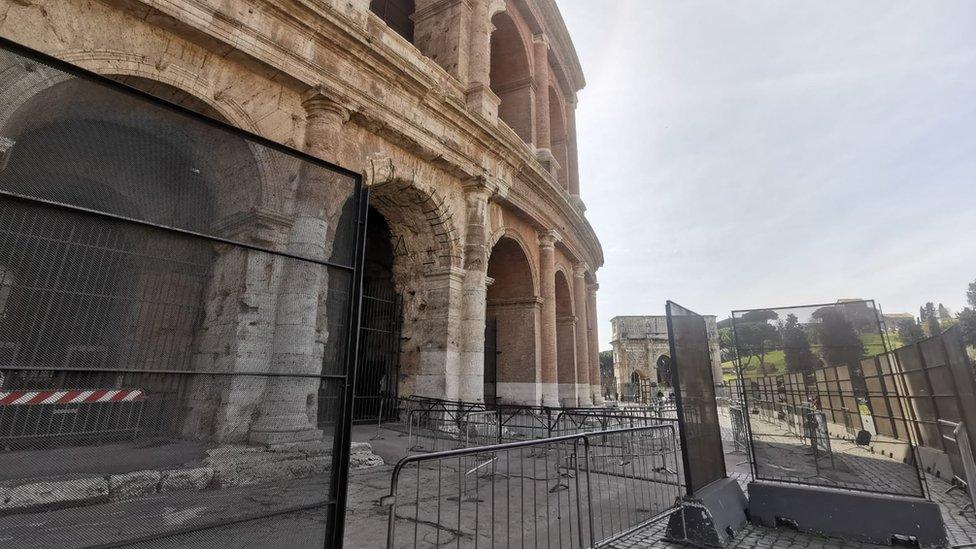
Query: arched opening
[
  {"x": 664, "y": 370},
  {"x": 396, "y": 14},
  {"x": 88, "y": 292},
  {"x": 557, "y": 132},
  {"x": 510, "y": 77},
  {"x": 378, "y": 371},
  {"x": 512, "y": 319},
  {"x": 565, "y": 342}
]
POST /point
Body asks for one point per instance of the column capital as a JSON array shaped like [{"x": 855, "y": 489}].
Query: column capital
[
  {"x": 323, "y": 100},
  {"x": 580, "y": 269},
  {"x": 483, "y": 184},
  {"x": 548, "y": 239}
]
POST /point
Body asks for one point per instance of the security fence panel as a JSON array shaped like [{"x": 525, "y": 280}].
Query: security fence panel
[
  {"x": 919, "y": 395},
  {"x": 178, "y": 304},
  {"x": 825, "y": 410},
  {"x": 691, "y": 373}
]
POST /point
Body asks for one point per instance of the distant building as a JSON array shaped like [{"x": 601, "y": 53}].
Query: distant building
[
  {"x": 641, "y": 350},
  {"x": 892, "y": 320}
]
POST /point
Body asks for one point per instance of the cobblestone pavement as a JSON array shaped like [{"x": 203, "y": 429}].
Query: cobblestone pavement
[{"x": 782, "y": 455}]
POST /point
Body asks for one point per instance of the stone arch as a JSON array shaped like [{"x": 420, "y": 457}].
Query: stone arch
[
  {"x": 662, "y": 368},
  {"x": 565, "y": 340},
  {"x": 511, "y": 76},
  {"x": 512, "y": 315},
  {"x": 427, "y": 256},
  {"x": 421, "y": 222},
  {"x": 397, "y": 14},
  {"x": 507, "y": 232},
  {"x": 24, "y": 81}
]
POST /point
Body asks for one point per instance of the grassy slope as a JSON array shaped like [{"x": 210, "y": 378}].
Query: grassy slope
[{"x": 873, "y": 345}]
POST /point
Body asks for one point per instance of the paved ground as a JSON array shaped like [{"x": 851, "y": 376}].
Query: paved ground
[
  {"x": 784, "y": 455},
  {"x": 123, "y": 524},
  {"x": 960, "y": 523}
]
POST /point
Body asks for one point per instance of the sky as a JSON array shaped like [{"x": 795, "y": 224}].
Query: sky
[{"x": 736, "y": 155}]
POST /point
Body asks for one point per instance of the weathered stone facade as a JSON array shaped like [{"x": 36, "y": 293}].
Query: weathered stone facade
[
  {"x": 466, "y": 136},
  {"x": 639, "y": 342}
]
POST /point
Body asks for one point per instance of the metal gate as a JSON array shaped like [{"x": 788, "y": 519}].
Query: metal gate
[{"x": 379, "y": 353}]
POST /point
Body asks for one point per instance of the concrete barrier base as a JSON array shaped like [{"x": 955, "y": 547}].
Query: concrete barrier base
[
  {"x": 847, "y": 514},
  {"x": 711, "y": 518}
]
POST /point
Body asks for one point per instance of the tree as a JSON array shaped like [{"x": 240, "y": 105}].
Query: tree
[
  {"x": 944, "y": 313},
  {"x": 930, "y": 320},
  {"x": 725, "y": 345},
  {"x": 967, "y": 318},
  {"x": 840, "y": 341},
  {"x": 967, "y": 326},
  {"x": 606, "y": 365},
  {"x": 910, "y": 332},
  {"x": 755, "y": 336},
  {"x": 796, "y": 347}
]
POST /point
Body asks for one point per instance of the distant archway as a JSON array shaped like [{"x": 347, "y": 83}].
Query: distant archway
[
  {"x": 511, "y": 373},
  {"x": 664, "y": 370}
]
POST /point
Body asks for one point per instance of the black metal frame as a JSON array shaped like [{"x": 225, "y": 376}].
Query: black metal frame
[
  {"x": 342, "y": 440},
  {"x": 908, "y": 416},
  {"x": 676, "y": 383}
]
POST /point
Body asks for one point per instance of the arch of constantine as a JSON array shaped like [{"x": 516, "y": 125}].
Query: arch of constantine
[
  {"x": 461, "y": 115},
  {"x": 641, "y": 351}
]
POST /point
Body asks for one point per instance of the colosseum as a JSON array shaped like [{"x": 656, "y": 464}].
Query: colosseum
[{"x": 461, "y": 116}]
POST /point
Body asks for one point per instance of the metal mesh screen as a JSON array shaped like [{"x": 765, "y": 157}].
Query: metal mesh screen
[
  {"x": 823, "y": 401},
  {"x": 176, "y": 304},
  {"x": 691, "y": 373}
]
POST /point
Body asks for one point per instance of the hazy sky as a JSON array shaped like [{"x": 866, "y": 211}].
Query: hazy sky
[{"x": 747, "y": 154}]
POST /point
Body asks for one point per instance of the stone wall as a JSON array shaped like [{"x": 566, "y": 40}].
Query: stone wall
[{"x": 419, "y": 120}]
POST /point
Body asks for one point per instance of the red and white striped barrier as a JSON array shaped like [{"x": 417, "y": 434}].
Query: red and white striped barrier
[{"x": 13, "y": 398}]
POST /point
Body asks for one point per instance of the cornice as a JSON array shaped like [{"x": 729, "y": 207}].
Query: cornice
[{"x": 441, "y": 95}]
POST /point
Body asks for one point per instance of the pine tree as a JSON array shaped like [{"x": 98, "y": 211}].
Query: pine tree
[
  {"x": 944, "y": 314},
  {"x": 796, "y": 347}
]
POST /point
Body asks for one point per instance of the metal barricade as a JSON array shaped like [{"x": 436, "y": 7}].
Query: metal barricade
[
  {"x": 580, "y": 490},
  {"x": 960, "y": 451},
  {"x": 27, "y": 417}
]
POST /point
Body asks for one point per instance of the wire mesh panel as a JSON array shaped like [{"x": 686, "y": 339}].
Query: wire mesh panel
[
  {"x": 825, "y": 407},
  {"x": 177, "y": 303},
  {"x": 691, "y": 372}
]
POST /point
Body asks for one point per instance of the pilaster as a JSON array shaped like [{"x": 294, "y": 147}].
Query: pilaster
[{"x": 547, "y": 291}]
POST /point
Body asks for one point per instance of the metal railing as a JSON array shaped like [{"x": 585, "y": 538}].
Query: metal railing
[
  {"x": 433, "y": 425},
  {"x": 578, "y": 490}
]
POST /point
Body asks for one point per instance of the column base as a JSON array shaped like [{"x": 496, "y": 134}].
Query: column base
[
  {"x": 482, "y": 101},
  {"x": 568, "y": 395},
  {"x": 547, "y": 159},
  {"x": 550, "y": 395},
  {"x": 526, "y": 394},
  {"x": 597, "y": 392},
  {"x": 279, "y": 437}
]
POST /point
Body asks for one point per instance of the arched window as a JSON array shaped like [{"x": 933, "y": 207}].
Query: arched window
[
  {"x": 396, "y": 14},
  {"x": 510, "y": 78}
]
